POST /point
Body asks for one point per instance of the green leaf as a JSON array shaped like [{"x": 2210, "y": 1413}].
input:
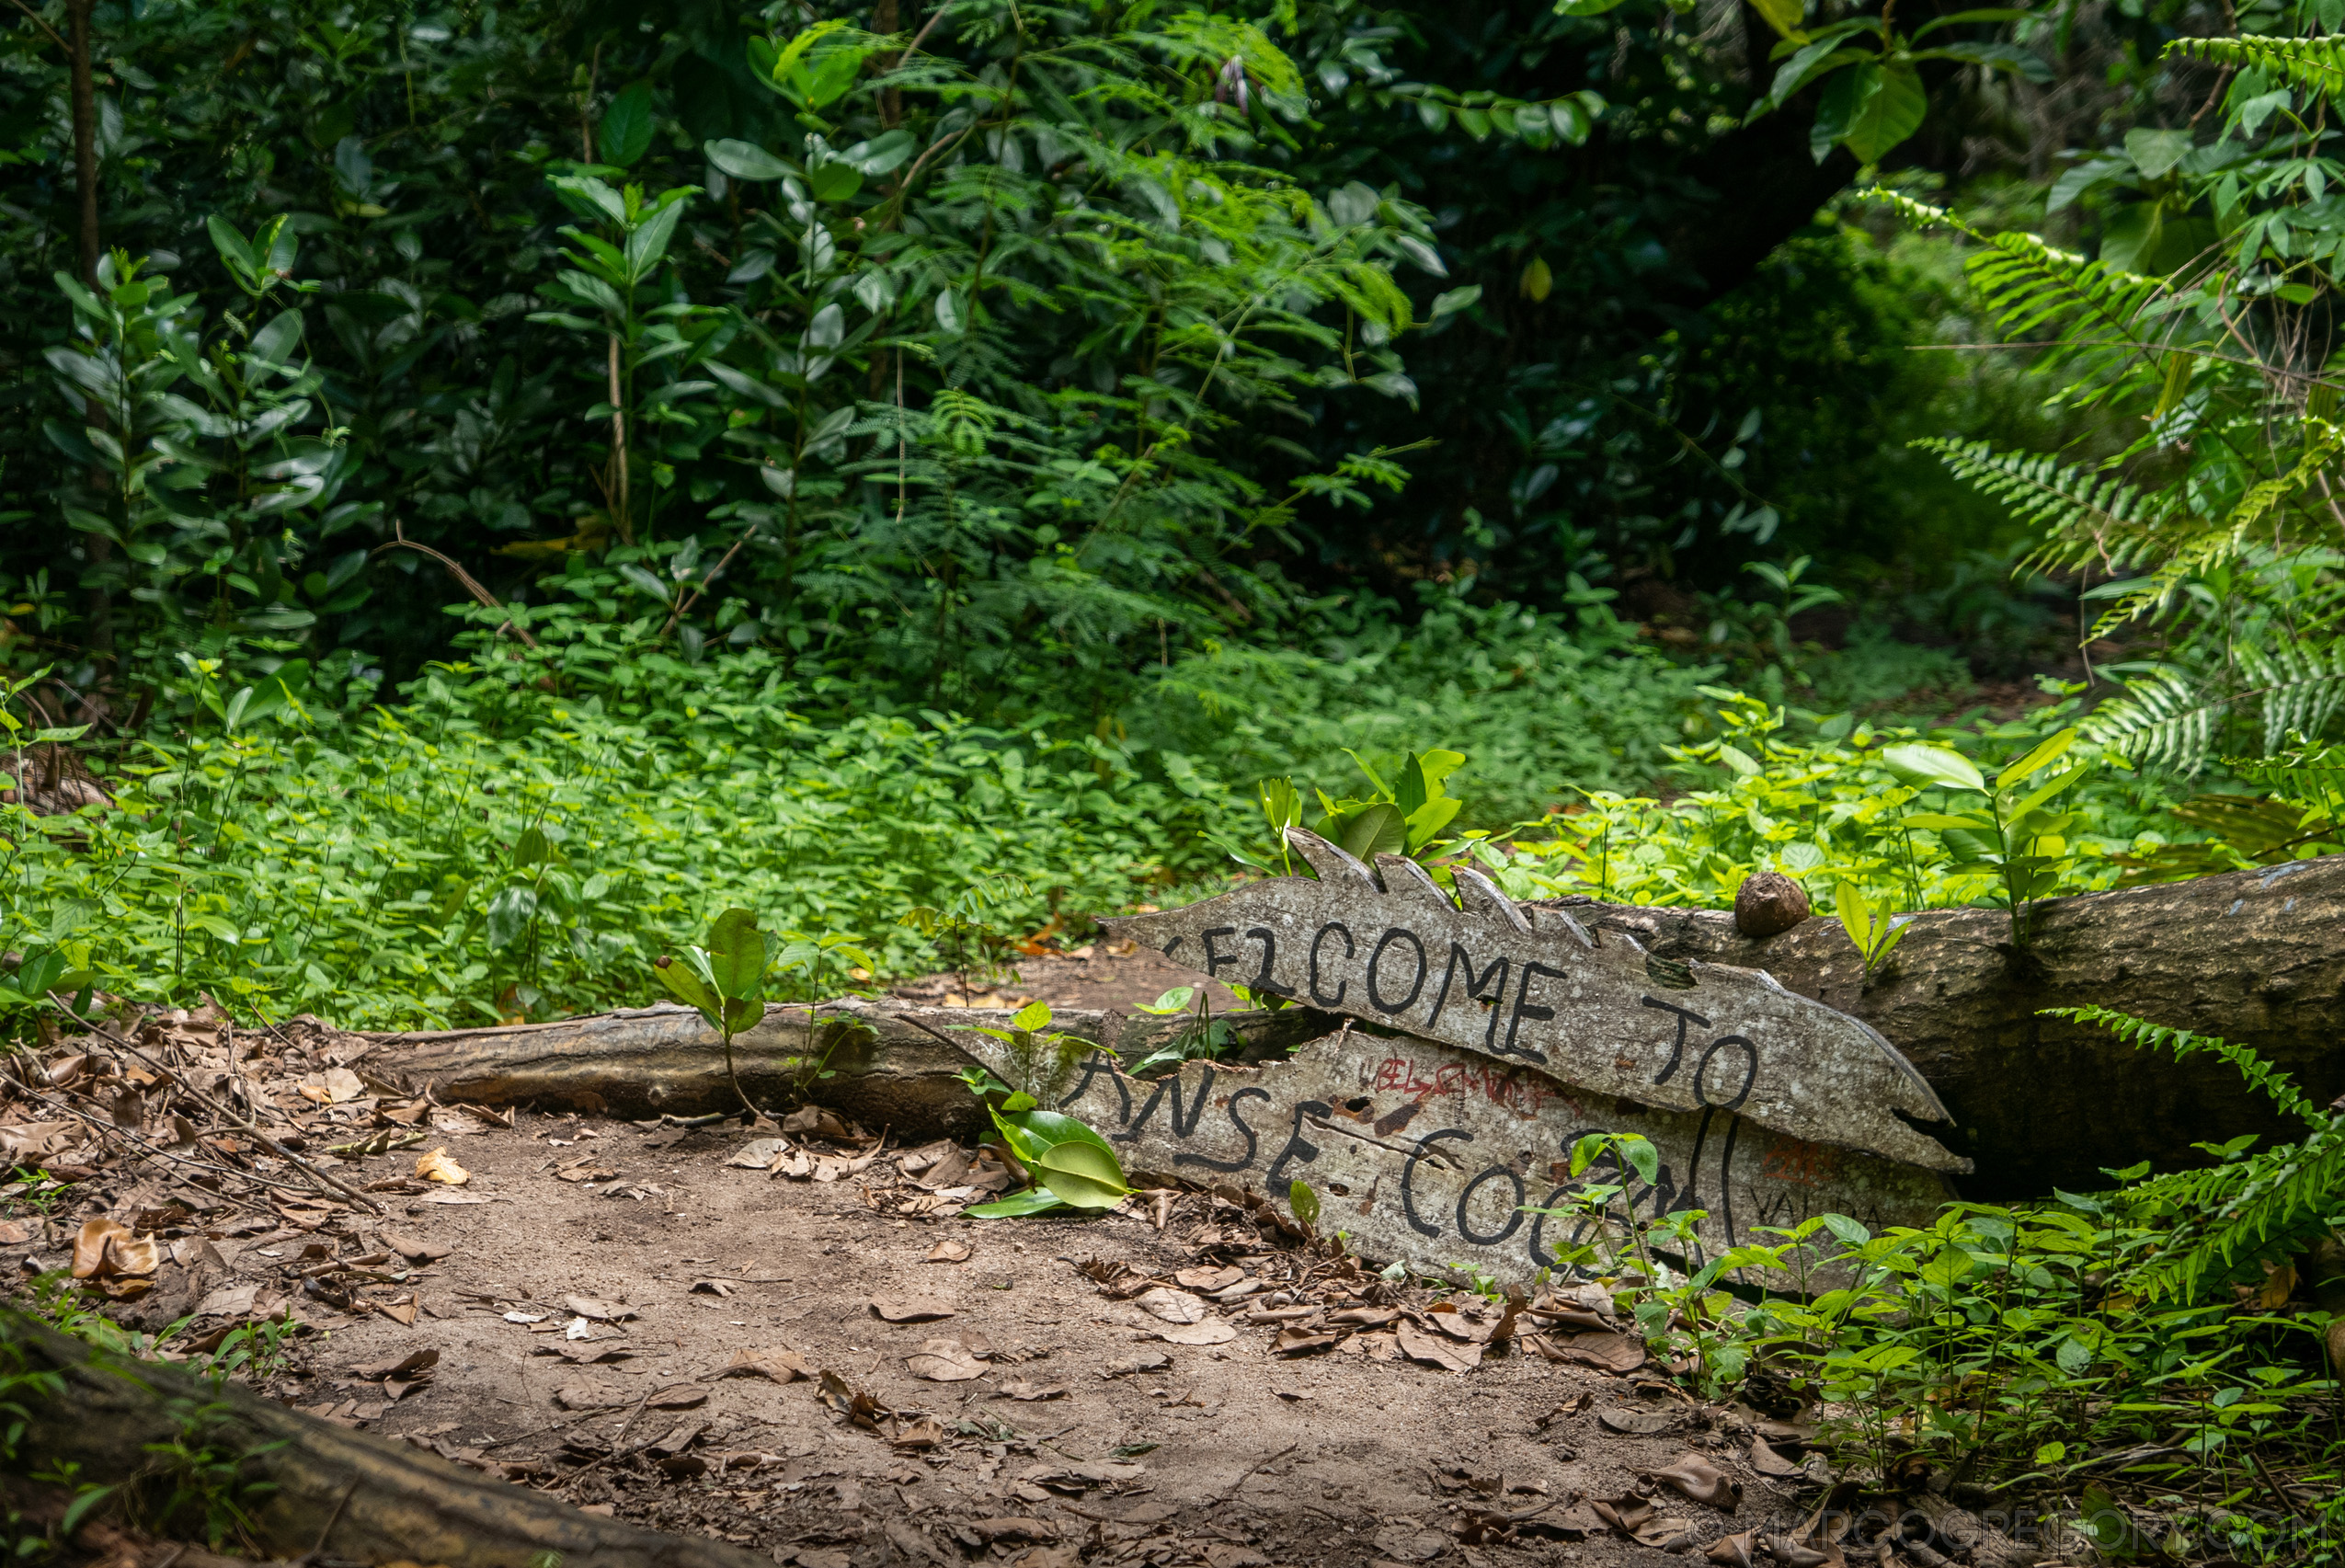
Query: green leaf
[
  {"x": 1375, "y": 829},
  {"x": 690, "y": 989},
  {"x": 2046, "y": 753},
  {"x": 834, "y": 181},
  {"x": 1452, "y": 301},
  {"x": 1783, "y": 16},
  {"x": 1077, "y": 1190},
  {"x": 1872, "y": 109},
  {"x": 649, "y": 242},
  {"x": 1304, "y": 1202},
  {"x": 1034, "y": 1200},
  {"x": 624, "y": 135},
  {"x": 1932, "y": 767},
  {"x": 741, "y": 1014},
  {"x": 1032, "y": 1017},
  {"x": 736, "y": 954},
  {"x": 1855, "y": 914},
  {"x": 1850, "y": 1234},
  {"x": 1082, "y": 1160},
  {"x": 2058, "y": 785},
  {"x": 2156, "y": 152},
  {"x": 1642, "y": 1157},
  {"x": 1174, "y": 1000},
  {"x": 1584, "y": 8},
  {"x": 746, "y": 160},
  {"x": 1940, "y": 821}
]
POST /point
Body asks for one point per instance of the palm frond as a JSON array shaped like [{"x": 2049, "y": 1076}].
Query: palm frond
[{"x": 2316, "y": 65}]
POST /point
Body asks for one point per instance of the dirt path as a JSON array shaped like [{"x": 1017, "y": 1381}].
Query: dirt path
[{"x": 1227, "y": 1454}]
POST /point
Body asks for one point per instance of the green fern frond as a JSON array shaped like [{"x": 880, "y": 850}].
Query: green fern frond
[
  {"x": 2224, "y": 1211},
  {"x": 2316, "y": 65},
  {"x": 2162, "y": 721},
  {"x": 2094, "y": 309},
  {"x": 2301, "y": 686},
  {"x": 2087, "y": 517},
  {"x": 2142, "y": 1034}
]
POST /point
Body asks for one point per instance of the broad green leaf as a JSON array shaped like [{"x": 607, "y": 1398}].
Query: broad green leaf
[
  {"x": 741, "y": 1014},
  {"x": 1876, "y": 107},
  {"x": 834, "y": 181},
  {"x": 624, "y": 135},
  {"x": 1032, "y": 1017},
  {"x": 1940, "y": 821},
  {"x": 1034, "y": 1200},
  {"x": 1452, "y": 301},
  {"x": 2045, "y": 752},
  {"x": 1931, "y": 767},
  {"x": 881, "y": 155},
  {"x": 648, "y": 243},
  {"x": 746, "y": 160},
  {"x": 1174, "y": 1000},
  {"x": 2156, "y": 152},
  {"x": 1375, "y": 829},
  {"x": 1047, "y": 1129},
  {"x": 1783, "y": 16},
  {"x": 1077, "y": 1190},
  {"x": 1642, "y": 1157},
  {"x": 1304, "y": 1202},
  {"x": 690, "y": 989},
  {"x": 1082, "y": 1160},
  {"x": 736, "y": 954}
]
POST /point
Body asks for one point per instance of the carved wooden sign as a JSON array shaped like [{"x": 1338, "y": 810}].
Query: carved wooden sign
[
  {"x": 1431, "y": 1155},
  {"x": 1528, "y": 988}
]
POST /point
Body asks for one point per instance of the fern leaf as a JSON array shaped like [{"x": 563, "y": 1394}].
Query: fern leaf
[
  {"x": 2224, "y": 1211},
  {"x": 2142, "y": 1034},
  {"x": 2087, "y": 517},
  {"x": 2316, "y": 65},
  {"x": 2162, "y": 721}
]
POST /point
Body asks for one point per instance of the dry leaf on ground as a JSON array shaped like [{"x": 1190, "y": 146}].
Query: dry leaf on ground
[
  {"x": 1208, "y": 1279},
  {"x": 776, "y": 1365},
  {"x": 948, "y": 1251},
  {"x": 1703, "y": 1481},
  {"x": 1213, "y": 1330},
  {"x": 909, "y": 1308},
  {"x": 1143, "y": 1361},
  {"x": 436, "y": 1167},
  {"x": 1418, "y": 1345},
  {"x": 760, "y": 1154},
  {"x": 1769, "y": 1460},
  {"x": 587, "y": 1307},
  {"x": 945, "y": 1361},
  {"x": 1635, "y": 1422},
  {"x": 1172, "y": 1306},
  {"x": 1023, "y": 1390},
  {"x": 1606, "y": 1351},
  {"x": 1734, "y": 1551}
]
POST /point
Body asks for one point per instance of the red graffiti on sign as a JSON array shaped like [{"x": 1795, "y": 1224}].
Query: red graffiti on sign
[
  {"x": 1792, "y": 1160},
  {"x": 1523, "y": 1094}
]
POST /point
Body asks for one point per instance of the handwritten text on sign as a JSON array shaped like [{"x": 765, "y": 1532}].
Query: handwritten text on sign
[
  {"x": 1527, "y": 985},
  {"x": 1429, "y": 1154}
]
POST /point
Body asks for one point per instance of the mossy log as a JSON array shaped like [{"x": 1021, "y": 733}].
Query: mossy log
[{"x": 312, "y": 1490}]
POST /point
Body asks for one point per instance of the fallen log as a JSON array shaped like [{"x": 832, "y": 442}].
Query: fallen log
[
  {"x": 887, "y": 1065},
  {"x": 332, "y": 1493},
  {"x": 2255, "y": 957}
]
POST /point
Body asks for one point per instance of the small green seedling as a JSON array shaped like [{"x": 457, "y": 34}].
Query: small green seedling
[
  {"x": 1072, "y": 1166},
  {"x": 1304, "y": 1203},
  {"x": 1870, "y": 926},
  {"x": 725, "y": 981}
]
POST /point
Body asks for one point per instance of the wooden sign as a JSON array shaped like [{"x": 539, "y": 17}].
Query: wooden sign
[
  {"x": 1428, "y": 1154},
  {"x": 1528, "y": 987}
]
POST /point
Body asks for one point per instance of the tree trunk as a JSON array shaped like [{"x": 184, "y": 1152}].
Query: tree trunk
[
  {"x": 98, "y": 633},
  {"x": 339, "y": 1494},
  {"x": 2256, "y": 957}
]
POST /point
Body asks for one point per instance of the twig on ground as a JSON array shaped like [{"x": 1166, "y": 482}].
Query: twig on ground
[
  {"x": 1229, "y": 1493},
  {"x": 224, "y": 1113},
  {"x": 107, "y": 1129}
]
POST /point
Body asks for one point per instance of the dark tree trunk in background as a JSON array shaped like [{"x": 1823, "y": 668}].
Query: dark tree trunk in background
[{"x": 98, "y": 634}]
